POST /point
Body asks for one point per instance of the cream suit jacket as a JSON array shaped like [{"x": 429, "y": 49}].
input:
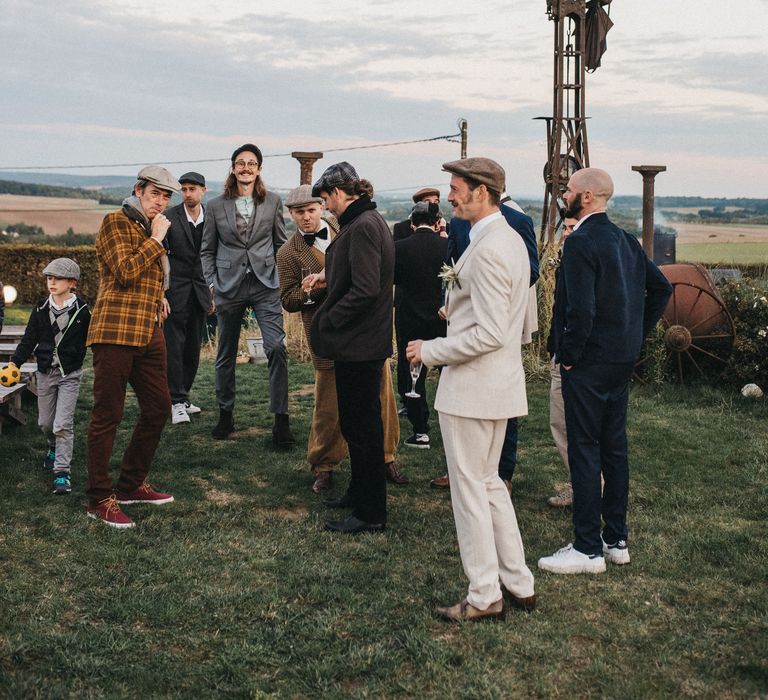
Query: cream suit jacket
[{"x": 484, "y": 375}]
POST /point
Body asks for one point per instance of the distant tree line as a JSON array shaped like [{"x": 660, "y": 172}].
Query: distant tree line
[
  {"x": 32, "y": 234},
  {"x": 33, "y": 190}
]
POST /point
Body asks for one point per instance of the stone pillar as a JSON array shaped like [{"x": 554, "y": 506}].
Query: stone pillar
[
  {"x": 307, "y": 160},
  {"x": 649, "y": 173}
]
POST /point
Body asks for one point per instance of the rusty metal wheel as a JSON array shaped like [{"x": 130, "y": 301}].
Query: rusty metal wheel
[{"x": 698, "y": 330}]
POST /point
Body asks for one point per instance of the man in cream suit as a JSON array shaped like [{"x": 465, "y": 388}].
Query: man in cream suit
[{"x": 481, "y": 387}]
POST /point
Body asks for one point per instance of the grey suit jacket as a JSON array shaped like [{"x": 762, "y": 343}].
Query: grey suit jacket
[
  {"x": 484, "y": 376},
  {"x": 226, "y": 256}
]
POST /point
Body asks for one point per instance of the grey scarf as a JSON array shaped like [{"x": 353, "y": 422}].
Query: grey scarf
[{"x": 133, "y": 203}]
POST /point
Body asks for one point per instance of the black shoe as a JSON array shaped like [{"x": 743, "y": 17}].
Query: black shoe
[
  {"x": 344, "y": 501},
  {"x": 403, "y": 411},
  {"x": 351, "y": 525},
  {"x": 281, "y": 431},
  {"x": 225, "y": 425}
]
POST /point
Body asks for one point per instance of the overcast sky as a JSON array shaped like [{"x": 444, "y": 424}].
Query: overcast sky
[{"x": 684, "y": 83}]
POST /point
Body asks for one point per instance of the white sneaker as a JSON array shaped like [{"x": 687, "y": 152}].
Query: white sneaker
[
  {"x": 179, "y": 414},
  {"x": 570, "y": 561},
  {"x": 192, "y": 409},
  {"x": 616, "y": 553}
]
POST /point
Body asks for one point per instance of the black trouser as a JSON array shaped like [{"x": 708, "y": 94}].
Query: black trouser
[
  {"x": 418, "y": 409},
  {"x": 595, "y": 398},
  {"x": 183, "y": 332},
  {"x": 508, "y": 459},
  {"x": 357, "y": 390},
  {"x": 403, "y": 366}
]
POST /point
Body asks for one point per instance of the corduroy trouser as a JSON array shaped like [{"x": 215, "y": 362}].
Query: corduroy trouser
[
  {"x": 56, "y": 403},
  {"x": 114, "y": 367}
]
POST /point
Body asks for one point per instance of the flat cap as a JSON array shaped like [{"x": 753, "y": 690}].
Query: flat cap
[
  {"x": 192, "y": 178},
  {"x": 418, "y": 195},
  {"x": 63, "y": 268},
  {"x": 334, "y": 175},
  {"x": 301, "y": 196},
  {"x": 159, "y": 176},
  {"x": 484, "y": 170}
]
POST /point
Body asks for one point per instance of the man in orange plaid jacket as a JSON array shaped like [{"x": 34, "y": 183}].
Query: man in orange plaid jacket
[{"x": 126, "y": 337}]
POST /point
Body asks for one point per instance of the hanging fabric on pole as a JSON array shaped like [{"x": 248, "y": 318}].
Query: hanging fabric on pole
[{"x": 597, "y": 24}]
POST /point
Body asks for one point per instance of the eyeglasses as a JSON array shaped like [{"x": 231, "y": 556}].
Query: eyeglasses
[{"x": 251, "y": 164}]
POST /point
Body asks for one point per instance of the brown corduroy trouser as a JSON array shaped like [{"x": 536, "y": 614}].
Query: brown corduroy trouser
[{"x": 326, "y": 447}]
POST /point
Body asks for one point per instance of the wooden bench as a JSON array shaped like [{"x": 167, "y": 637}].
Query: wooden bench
[
  {"x": 10, "y": 397},
  {"x": 12, "y": 334}
]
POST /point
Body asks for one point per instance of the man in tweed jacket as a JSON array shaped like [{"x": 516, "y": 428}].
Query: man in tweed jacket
[
  {"x": 126, "y": 338},
  {"x": 305, "y": 251}
]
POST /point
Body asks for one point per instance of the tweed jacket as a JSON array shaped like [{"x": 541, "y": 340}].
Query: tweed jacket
[
  {"x": 226, "y": 256},
  {"x": 294, "y": 255},
  {"x": 484, "y": 377},
  {"x": 130, "y": 283}
]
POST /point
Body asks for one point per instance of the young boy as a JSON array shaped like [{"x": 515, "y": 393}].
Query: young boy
[{"x": 56, "y": 332}]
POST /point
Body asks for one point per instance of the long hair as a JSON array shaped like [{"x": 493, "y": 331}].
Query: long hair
[
  {"x": 356, "y": 188},
  {"x": 230, "y": 188}
]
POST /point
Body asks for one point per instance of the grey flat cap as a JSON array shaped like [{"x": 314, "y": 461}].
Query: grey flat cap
[
  {"x": 192, "y": 178},
  {"x": 301, "y": 196},
  {"x": 63, "y": 268},
  {"x": 486, "y": 171},
  {"x": 159, "y": 176},
  {"x": 335, "y": 175}
]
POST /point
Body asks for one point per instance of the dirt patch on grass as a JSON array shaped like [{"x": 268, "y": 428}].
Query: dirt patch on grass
[
  {"x": 304, "y": 390},
  {"x": 285, "y": 513},
  {"x": 217, "y": 496}
]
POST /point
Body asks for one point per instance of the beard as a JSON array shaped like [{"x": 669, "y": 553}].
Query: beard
[{"x": 573, "y": 210}]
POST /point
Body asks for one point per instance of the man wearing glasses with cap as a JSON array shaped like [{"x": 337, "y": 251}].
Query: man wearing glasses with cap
[
  {"x": 126, "y": 337},
  {"x": 244, "y": 228},
  {"x": 189, "y": 295}
]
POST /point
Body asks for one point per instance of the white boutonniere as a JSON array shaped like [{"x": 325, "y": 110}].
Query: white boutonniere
[{"x": 449, "y": 276}]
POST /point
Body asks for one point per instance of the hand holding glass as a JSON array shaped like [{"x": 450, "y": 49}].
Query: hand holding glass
[
  {"x": 415, "y": 373},
  {"x": 306, "y": 272}
]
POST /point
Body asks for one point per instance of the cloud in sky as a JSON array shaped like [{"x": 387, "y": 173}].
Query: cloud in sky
[{"x": 101, "y": 82}]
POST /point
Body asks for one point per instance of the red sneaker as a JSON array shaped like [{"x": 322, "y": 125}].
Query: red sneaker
[
  {"x": 144, "y": 494},
  {"x": 109, "y": 512}
]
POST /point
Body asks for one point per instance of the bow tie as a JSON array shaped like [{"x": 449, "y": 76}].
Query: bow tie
[{"x": 310, "y": 237}]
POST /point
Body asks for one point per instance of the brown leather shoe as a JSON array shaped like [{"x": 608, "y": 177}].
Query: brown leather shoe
[
  {"x": 395, "y": 475},
  {"x": 526, "y": 604},
  {"x": 322, "y": 481},
  {"x": 440, "y": 482},
  {"x": 463, "y": 611}
]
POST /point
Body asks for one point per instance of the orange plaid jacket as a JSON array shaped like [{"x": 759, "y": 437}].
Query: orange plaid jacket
[{"x": 130, "y": 284}]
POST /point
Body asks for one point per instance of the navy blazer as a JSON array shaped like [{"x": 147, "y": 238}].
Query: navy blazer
[
  {"x": 608, "y": 297},
  {"x": 458, "y": 237},
  {"x": 187, "y": 279}
]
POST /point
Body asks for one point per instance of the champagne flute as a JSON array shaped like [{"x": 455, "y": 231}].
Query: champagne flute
[
  {"x": 306, "y": 272},
  {"x": 415, "y": 373}
]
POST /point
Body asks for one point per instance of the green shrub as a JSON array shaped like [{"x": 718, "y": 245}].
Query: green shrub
[{"x": 747, "y": 301}]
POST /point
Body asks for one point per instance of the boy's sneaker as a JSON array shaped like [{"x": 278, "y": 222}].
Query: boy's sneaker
[
  {"x": 62, "y": 485},
  {"x": 616, "y": 553},
  {"x": 418, "y": 440},
  {"x": 191, "y": 408},
  {"x": 109, "y": 512},
  {"x": 179, "y": 414},
  {"x": 570, "y": 561},
  {"x": 144, "y": 494},
  {"x": 50, "y": 458}
]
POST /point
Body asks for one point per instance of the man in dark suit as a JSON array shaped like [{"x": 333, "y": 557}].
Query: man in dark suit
[
  {"x": 403, "y": 229},
  {"x": 188, "y": 295},
  {"x": 353, "y": 327},
  {"x": 243, "y": 230},
  {"x": 458, "y": 240},
  {"x": 609, "y": 296},
  {"x": 418, "y": 259}
]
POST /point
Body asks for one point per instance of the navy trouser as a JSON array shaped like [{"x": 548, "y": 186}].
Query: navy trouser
[
  {"x": 357, "y": 391},
  {"x": 596, "y": 398},
  {"x": 508, "y": 459}
]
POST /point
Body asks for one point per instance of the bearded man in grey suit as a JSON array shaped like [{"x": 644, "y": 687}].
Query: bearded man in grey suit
[
  {"x": 243, "y": 230},
  {"x": 481, "y": 387}
]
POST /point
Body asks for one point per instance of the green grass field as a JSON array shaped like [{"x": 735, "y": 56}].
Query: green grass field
[
  {"x": 727, "y": 253},
  {"x": 235, "y": 590}
]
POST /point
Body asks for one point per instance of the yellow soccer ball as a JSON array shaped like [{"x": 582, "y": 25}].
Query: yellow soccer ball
[{"x": 9, "y": 376}]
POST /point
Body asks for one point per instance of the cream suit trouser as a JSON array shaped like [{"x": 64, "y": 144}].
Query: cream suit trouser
[{"x": 486, "y": 526}]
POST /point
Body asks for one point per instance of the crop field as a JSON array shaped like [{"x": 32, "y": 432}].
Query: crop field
[{"x": 54, "y": 214}]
